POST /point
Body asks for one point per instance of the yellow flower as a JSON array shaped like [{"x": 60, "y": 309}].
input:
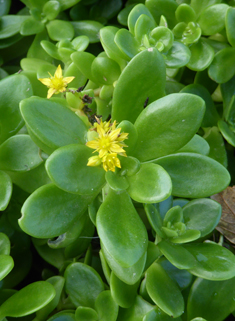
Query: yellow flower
[
  {"x": 108, "y": 144},
  {"x": 57, "y": 83},
  {"x": 110, "y": 161},
  {"x": 109, "y": 141}
]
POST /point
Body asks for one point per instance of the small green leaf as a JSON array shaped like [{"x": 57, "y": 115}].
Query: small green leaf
[
  {"x": 134, "y": 15},
  {"x": 202, "y": 55},
  {"x": 5, "y": 190},
  {"x": 227, "y": 133},
  {"x": 215, "y": 13},
  {"x": 67, "y": 168},
  {"x": 5, "y": 244},
  {"x": 177, "y": 255},
  {"x": 31, "y": 27},
  {"x": 86, "y": 314},
  {"x": 151, "y": 184},
  {"x": 87, "y": 28},
  {"x": 185, "y": 13},
  {"x": 196, "y": 145},
  {"x": 177, "y": 56},
  {"x": 6, "y": 265},
  {"x": 28, "y": 300},
  {"x": 10, "y": 25},
  {"x": 163, "y": 291},
  {"x": 106, "y": 307},
  {"x": 65, "y": 27},
  {"x": 83, "y": 284},
  {"x": 196, "y": 211},
  {"x": 19, "y": 153},
  {"x": 116, "y": 182},
  {"x": 51, "y": 9}
]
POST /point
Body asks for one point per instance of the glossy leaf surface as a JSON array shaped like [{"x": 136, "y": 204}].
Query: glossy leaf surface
[
  {"x": 159, "y": 134},
  {"x": 124, "y": 236}
]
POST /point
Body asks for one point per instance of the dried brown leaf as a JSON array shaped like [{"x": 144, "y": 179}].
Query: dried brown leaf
[{"x": 226, "y": 225}]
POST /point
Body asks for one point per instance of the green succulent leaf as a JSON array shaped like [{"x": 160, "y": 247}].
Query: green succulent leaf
[
  {"x": 123, "y": 235},
  {"x": 83, "y": 284},
  {"x": 194, "y": 175},
  {"x": 159, "y": 134},
  {"x": 142, "y": 80},
  {"x": 44, "y": 211},
  {"x": 5, "y": 190}
]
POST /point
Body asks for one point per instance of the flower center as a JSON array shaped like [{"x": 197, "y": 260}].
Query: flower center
[
  {"x": 57, "y": 83},
  {"x": 105, "y": 142}
]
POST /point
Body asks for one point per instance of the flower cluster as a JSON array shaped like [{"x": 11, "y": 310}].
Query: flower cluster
[{"x": 108, "y": 144}]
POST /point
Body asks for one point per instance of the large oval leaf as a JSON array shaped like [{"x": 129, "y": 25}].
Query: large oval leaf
[
  {"x": 194, "y": 175},
  {"x": 142, "y": 79},
  {"x": 28, "y": 300},
  {"x": 52, "y": 123},
  {"x": 50, "y": 212},
  {"x": 121, "y": 230},
  {"x": 167, "y": 125},
  {"x": 67, "y": 168}
]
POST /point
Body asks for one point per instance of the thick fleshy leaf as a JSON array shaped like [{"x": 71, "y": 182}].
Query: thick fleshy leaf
[
  {"x": 121, "y": 230},
  {"x": 6, "y": 265},
  {"x": 202, "y": 55},
  {"x": 154, "y": 218},
  {"x": 129, "y": 275},
  {"x": 212, "y": 300},
  {"x": 135, "y": 13},
  {"x": 217, "y": 145},
  {"x": 10, "y": 25},
  {"x": 230, "y": 25},
  {"x": 167, "y": 125},
  {"x": 65, "y": 27},
  {"x": 136, "y": 312},
  {"x": 214, "y": 262},
  {"x": 215, "y": 13},
  {"x": 200, "y": 5},
  {"x": 127, "y": 43},
  {"x": 5, "y": 244},
  {"x": 227, "y": 133},
  {"x": 51, "y": 124},
  {"x": 31, "y": 26},
  {"x": 195, "y": 212},
  {"x": 28, "y": 300},
  {"x": 83, "y": 284},
  {"x": 177, "y": 255},
  {"x": 185, "y": 13},
  {"x": 143, "y": 80},
  {"x": 87, "y": 28},
  {"x": 182, "y": 277},
  {"x": 123, "y": 294},
  {"x": 67, "y": 168},
  {"x": 164, "y": 291},
  {"x": 13, "y": 90},
  {"x": 105, "y": 70},
  {"x": 164, "y": 8},
  {"x": 151, "y": 184},
  {"x": 106, "y": 307},
  {"x": 194, "y": 175},
  {"x": 116, "y": 182},
  {"x": 86, "y": 314},
  {"x": 19, "y": 153},
  {"x": 45, "y": 210},
  {"x": 196, "y": 145},
  {"x": 5, "y": 190},
  {"x": 177, "y": 56},
  {"x": 211, "y": 116},
  {"x": 222, "y": 67}
]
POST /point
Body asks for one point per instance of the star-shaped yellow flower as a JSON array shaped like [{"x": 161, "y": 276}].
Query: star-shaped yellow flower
[
  {"x": 108, "y": 144},
  {"x": 57, "y": 83},
  {"x": 109, "y": 140}
]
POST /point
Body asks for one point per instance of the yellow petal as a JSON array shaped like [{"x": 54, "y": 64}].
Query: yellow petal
[
  {"x": 100, "y": 131},
  {"x": 115, "y": 148},
  {"x": 102, "y": 152},
  {"x": 50, "y": 92},
  {"x": 93, "y": 144},
  {"x": 67, "y": 80},
  {"x": 58, "y": 72},
  {"x": 94, "y": 161},
  {"x": 114, "y": 134},
  {"x": 45, "y": 81}
]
